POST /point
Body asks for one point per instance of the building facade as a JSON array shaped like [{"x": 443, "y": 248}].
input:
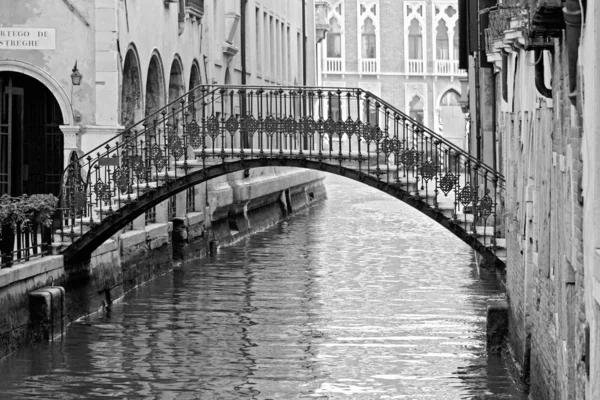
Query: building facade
[
  {"x": 405, "y": 52},
  {"x": 132, "y": 58},
  {"x": 533, "y": 85}
]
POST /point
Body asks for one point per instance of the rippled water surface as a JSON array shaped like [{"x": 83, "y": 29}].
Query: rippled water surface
[{"x": 359, "y": 297}]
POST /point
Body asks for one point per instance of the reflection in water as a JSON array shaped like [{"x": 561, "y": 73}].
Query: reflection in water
[{"x": 360, "y": 297}]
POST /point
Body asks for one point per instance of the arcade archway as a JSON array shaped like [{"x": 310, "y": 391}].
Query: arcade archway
[{"x": 31, "y": 142}]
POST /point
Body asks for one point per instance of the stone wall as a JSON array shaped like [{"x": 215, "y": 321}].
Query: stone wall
[
  {"x": 589, "y": 80},
  {"x": 14, "y": 300},
  {"x": 136, "y": 256},
  {"x": 542, "y": 163}
]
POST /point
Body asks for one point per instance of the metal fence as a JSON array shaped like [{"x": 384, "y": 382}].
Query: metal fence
[{"x": 24, "y": 241}]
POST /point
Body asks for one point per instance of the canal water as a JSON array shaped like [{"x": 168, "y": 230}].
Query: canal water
[{"x": 359, "y": 297}]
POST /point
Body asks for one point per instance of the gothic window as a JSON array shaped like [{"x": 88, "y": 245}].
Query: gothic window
[
  {"x": 416, "y": 109},
  {"x": 442, "y": 45},
  {"x": 415, "y": 41},
  {"x": 369, "y": 40},
  {"x": 334, "y": 45},
  {"x": 445, "y": 26},
  {"x": 450, "y": 99},
  {"x": 336, "y": 108},
  {"x": 450, "y": 11},
  {"x": 334, "y": 40},
  {"x": 371, "y": 118},
  {"x": 368, "y": 43}
]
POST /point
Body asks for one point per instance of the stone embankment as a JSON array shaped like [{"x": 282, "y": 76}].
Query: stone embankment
[{"x": 38, "y": 299}]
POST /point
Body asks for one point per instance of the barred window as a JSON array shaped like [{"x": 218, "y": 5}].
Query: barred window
[
  {"x": 151, "y": 216},
  {"x": 172, "y": 207},
  {"x": 190, "y": 200}
]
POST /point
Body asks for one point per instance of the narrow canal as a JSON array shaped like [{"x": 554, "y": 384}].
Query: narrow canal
[{"x": 360, "y": 297}]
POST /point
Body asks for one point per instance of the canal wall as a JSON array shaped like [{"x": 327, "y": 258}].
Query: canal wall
[
  {"x": 234, "y": 209},
  {"x": 550, "y": 277}
]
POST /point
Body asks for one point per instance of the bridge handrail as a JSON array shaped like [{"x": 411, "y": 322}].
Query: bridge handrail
[
  {"x": 349, "y": 130},
  {"x": 448, "y": 143},
  {"x": 74, "y": 163},
  {"x": 208, "y": 90},
  {"x": 310, "y": 112}
]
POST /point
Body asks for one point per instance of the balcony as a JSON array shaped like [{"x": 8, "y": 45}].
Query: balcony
[
  {"x": 195, "y": 7},
  {"x": 416, "y": 67},
  {"x": 334, "y": 65},
  {"x": 446, "y": 67},
  {"x": 546, "y": 18},
  {"x": 369, "y": 66},
  {"x": 532, "y": 23}
]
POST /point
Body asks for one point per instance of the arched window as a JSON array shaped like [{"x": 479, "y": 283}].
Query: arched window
[
  {"x": 416, "y": 109},
  {"x": 452, "y": 119},
  {"x": 450, "y": 99},
  {"x": 334, "y": 39},
  {"x": 415, "y": 41},
  {"x": 369, "y": 40},
  {"x": 442, "y": 45}
]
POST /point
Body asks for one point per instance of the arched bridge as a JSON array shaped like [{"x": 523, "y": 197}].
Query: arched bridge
[{"x": 215, "y": 130}]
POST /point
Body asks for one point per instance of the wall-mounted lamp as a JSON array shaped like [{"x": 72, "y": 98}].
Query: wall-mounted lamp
[{"x": 76, "y": 76}]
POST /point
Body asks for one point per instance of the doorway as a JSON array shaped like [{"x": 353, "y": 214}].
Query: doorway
[{"x": 31, "y": 142}]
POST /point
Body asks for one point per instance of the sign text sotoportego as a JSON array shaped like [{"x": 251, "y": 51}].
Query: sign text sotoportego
[{"x": 27, "y": 38}]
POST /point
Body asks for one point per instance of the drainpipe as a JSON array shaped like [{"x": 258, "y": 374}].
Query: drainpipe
[
  {"x": 540, "y": 83},
  {"x": 504, "y": 76},
  {"x": 244, "y": 136},
  {"x": 243, "y": 39},
  {"x": 303, "y": 42},
  {"x": 572, "y": 14},
  {"x": 181, "y": 17},
  {"x": 478, "y": 148}
]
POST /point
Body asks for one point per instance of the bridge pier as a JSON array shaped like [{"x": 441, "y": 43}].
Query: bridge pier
[
  {"x": 47, "y": 308},
  {"x": 497, "y": 325}
]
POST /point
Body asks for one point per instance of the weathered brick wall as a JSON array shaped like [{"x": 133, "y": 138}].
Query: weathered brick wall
[
  {"x": 514, "y": 260},
  {"x": 544, "y": 219}
]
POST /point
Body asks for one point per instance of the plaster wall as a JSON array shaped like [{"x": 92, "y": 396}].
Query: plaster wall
[{"x": 75, "y": 41}]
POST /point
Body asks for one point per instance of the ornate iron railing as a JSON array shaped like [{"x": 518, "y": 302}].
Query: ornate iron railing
[
  {"x": 348, "y": 127},
  {"x": 23, "y": 242}
]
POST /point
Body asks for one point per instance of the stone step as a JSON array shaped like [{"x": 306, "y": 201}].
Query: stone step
[{"x": 74, "y": 230}]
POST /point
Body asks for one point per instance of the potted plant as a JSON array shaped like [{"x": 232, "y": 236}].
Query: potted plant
[
  {"x": 40, "y": 208},
  {"x": 11, "y": 214},
  {"x": 26, "y": 212}
]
